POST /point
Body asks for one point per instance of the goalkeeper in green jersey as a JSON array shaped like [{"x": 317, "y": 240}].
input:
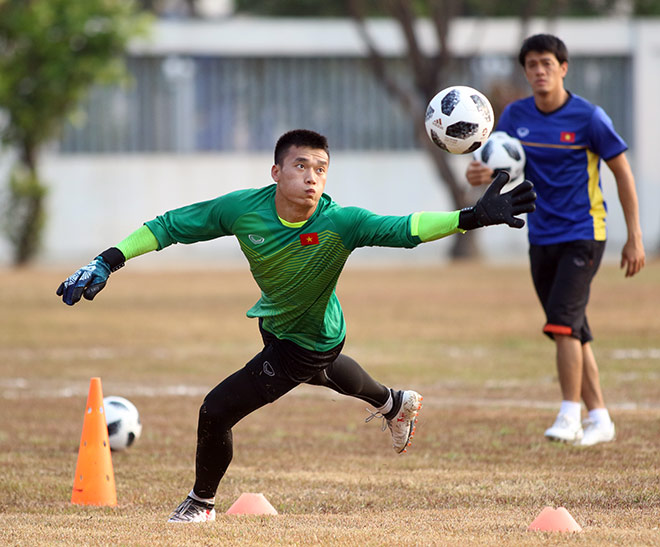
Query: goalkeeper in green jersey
[{"x": 296, "y": 240}]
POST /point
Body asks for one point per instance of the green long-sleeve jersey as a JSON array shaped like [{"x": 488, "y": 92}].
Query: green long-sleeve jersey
[{"x": 296, "y": 267}]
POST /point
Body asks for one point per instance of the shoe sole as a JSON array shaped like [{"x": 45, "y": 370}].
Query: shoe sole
[
  {"x": 208, "y": 519},
  {"x": 554, "y": 439},
  {"x": 412, "y": 407}
]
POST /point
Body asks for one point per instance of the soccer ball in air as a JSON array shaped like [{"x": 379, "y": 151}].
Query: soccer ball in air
[
  {"x": 459, "y": 119},
  {"x": 505, "y": 153},
  {"x": 123, "y": 420}
]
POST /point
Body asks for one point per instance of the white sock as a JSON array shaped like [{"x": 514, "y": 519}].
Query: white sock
[
  {"x": 388, "y": 405},
  {"x": 571, "y": 409},
  {"x": 600, "y": 416},
  {"x": 194, "y": 496}
]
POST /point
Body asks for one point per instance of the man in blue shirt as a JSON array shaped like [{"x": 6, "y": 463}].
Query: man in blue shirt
[{"x": 565, "y": 137}]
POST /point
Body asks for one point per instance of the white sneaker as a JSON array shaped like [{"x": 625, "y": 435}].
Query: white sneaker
[
  {"x": 565, "y": 429},
  {"x": 190, "y": 510},
  {"x": 597, "y": 432},
  {"x": 402, "y": 425}
]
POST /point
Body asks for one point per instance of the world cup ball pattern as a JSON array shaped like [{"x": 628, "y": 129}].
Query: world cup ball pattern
[{"x": 459, "y": 119}]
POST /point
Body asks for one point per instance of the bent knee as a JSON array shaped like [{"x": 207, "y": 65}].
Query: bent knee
[{"x": 212, "y": 411}]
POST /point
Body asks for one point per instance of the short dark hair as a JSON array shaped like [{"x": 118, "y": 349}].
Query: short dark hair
[
  {"x": 541, "y": 43},
  {"x": 299, "y": 137}
]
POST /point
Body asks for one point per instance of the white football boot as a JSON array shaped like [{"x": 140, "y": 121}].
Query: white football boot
[
  {"x": 190, "y": 510},
  {"x": 597, "y": 432},
  {"x": 402, "y": 425},
  {"x": 565, "y": 429},
  {"x": 401, "y": 419}
]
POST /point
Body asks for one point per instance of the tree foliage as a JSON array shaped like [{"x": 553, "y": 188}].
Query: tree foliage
[
  {"x": 51, "y": 52},
  {"x": 468, "y": 8}
]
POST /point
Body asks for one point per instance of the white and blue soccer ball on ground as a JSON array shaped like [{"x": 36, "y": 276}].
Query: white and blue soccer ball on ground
[
  {"x": 459, "y": 119},
  {"x": 123, "y": 421},
  {"x": 505, "y": 153}
]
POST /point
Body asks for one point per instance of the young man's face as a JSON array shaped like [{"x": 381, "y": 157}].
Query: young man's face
[
  {"x": 301, "y": 176},
  {"x": 544, "y": 72}
]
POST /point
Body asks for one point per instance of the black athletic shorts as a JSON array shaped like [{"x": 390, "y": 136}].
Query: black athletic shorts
[
  {"x": 283, "y": 364},
  {"x": 562, "y": 275}
]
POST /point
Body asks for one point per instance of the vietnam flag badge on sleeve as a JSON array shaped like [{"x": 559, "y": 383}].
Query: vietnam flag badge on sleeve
[
  {"x": 567, "y": 136},
  {"x": 309, "y": 239}
]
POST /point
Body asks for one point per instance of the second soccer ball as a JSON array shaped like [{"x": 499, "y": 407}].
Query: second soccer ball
[
  {"x": 504, "y": 153},
  {"x": 123, "y": 421}
]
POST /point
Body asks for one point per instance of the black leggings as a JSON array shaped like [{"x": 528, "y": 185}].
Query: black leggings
[{"x": 261, "y": 381}]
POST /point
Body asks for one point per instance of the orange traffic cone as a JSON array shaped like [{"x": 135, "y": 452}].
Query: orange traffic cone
[
  {"x": 251, "y": 504},
  {"x": 555, "y": 520},
  {"x": 94, "y": 482}
]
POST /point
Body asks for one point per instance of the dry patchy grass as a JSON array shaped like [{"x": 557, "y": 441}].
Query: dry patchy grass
[{"x": 467, "y": 336}]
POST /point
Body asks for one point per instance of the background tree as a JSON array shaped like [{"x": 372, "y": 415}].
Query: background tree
[
  {"x": 468, "y": 8},
  {"x": 428, "y": 71},
  {"x": 51, "y": 52}
]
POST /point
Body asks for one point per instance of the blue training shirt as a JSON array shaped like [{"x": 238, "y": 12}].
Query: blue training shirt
[{"x": 563, "y": 150}]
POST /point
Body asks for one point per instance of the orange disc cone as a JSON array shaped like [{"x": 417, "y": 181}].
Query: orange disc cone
[
  {"x": 251, "y": 504},
  {"x": 94, "y": 482},
  {"x": 555, "y": 520}
]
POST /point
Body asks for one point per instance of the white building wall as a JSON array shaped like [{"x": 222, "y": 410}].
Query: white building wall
[
  {"x": 647, "y": 129},
  {"x": 94, "y": 201}
]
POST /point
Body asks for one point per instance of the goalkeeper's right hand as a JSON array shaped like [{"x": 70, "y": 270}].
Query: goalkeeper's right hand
[{"x": 89, "y": 280}]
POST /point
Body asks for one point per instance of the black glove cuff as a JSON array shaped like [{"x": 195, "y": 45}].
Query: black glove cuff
[
  {"x": 114, "y": 258},
  {"x": 467, "y": 219}
]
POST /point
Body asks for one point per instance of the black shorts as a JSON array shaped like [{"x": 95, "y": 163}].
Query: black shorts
[
  {"x": 562, "y": 275},
  {"x": 283, "y": 364}
]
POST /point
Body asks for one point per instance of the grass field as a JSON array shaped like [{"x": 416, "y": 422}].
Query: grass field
[{"x": 466, "y": 336}]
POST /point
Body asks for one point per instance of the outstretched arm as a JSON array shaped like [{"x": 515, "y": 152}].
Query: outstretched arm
[
  {"x": 492, "y": 208},
  {"x": 89, "y": 280}
]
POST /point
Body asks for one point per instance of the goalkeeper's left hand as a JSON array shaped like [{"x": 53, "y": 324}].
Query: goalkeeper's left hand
[
  {"x": 495, "y": 208},
  {"x": 89, "y": 280}
]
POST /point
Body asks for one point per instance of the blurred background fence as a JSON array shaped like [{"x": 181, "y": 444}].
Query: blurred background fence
[{"x": 190, "y": 103}]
